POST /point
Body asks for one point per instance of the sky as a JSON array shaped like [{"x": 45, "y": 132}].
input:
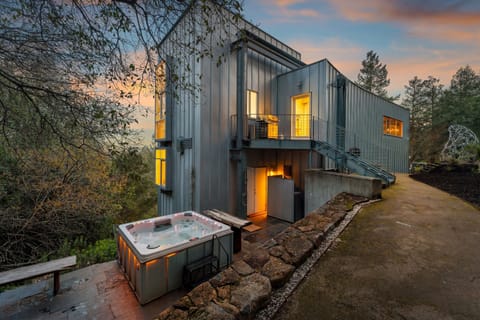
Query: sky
[{"x": 413, "y": 38}]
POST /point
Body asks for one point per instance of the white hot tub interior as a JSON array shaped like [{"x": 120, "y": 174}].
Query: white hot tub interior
[{"x": 166, "y": 232}]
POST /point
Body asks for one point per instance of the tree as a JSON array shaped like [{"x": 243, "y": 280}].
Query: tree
[
  {"x": 460, "y": 104},
  {"x": 70, "y": 64},
  {"x": 373, "y": 75},
  {"x": 66, "y": 69},
  {"x": 422, "y": 97}
]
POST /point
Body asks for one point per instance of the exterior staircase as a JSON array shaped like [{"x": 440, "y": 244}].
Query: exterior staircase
[{"x": 356, "y": 164}]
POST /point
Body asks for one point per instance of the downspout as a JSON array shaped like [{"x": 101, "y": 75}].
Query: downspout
[{"x": 241, "y": 161}]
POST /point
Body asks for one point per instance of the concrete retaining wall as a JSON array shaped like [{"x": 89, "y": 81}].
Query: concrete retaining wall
[{"x": 321, "y": 186}]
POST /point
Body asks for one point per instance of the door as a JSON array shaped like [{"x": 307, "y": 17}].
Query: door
[
  {"x": 301, "y": 116},
  {"x": 256, "y": 190}
]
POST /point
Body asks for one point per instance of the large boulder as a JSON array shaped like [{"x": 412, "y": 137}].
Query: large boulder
[
  {"x": 251, "y": 294},
  {"x": 227, "y": 276},
  {"x": 173, "y": 314},
  {"x": 211, "y": 312},
  {"x": 277, "y": 271},
  {"x": 296, "y": 244},
  {"x": 242, "y": 268},
  {"x": 202, "y": 294},
  {"x": 256, "y": 258}
]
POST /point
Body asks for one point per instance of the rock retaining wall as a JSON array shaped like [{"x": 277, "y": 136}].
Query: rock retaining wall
[{"x": 242, "y": 289}]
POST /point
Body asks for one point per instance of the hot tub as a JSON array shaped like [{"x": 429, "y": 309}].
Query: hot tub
[{"x": 154, "y": 253}]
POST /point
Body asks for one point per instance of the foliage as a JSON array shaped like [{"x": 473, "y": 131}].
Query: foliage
[
  {"x": 47, "y": 199},
  {"x": 373, "y": 75},
  {"x": 68, "y": 72},
  {"x": 101, "y": 251},
  {"x": 460, "y": 104},
  {"x": 70, "y": 65},
  {"x": 133, "y": 170},
  {"x": 421, "y": 97}
]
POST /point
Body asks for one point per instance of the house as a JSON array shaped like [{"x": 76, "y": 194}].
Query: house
[{"x": 261, "y": 118}]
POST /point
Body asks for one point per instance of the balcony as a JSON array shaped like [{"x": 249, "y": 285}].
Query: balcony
[{"x": 284, "y": 131}]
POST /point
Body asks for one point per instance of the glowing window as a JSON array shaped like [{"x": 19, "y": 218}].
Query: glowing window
[
  {"x": 392, "y": 127},
  {"x": 160, "y": 101},
  {"x": 252, "y": 103},
  {"x": 161, "y": 167}
]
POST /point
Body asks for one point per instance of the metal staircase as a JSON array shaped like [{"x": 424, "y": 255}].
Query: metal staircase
[{"x": 357, "y": 165}]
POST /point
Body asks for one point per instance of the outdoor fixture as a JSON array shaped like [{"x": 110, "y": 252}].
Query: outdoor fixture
[{"x": 159, "y": 255}]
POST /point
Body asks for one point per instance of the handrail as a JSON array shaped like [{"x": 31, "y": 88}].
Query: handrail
[
  {"x": 279, "y": 126},
  {"x": 220, "y": 245}
]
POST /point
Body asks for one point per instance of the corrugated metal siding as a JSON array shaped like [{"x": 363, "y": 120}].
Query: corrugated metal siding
[
  {"x": 203, "y": 177},
  {"x": 364, "y": 114}
]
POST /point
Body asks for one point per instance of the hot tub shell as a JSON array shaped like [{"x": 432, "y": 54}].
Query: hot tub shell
[{"x": 154, "y": 272}]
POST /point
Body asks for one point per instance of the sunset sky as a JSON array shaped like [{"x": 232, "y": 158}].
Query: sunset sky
[
  {"x": 414, "y": 38},
  {"x": 428, "y": 37}
]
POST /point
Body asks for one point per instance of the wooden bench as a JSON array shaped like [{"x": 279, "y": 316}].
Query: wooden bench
[
  {"x": 39, "y": 269},
  {"x": 235, "y": 223}
]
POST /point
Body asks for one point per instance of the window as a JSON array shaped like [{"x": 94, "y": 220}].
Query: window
[
  {"x": 161, "y": 167},
  {"x": 392, "y": 127},
  {"x": 252, "y": 103},
  {"x": 160, "y": 102}
]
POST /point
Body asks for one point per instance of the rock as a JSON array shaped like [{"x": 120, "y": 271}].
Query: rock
[
  {"x": 183, "y": 303},
  {"x": 224, "y": 292},
  {"x": 277, "y": 271},
  {"x": 211, "y": 312},
  {"x": 277, "y": 251},
  {"x": 202, "y": 294},
  {"x": 251, "y": 294},
  {"x": 256, "y": 258},
  {"x": 296, "y": 244},
  {"x": 316, "y": 237},
  {"x": 230, "y": 308},
  {"x": 227, "y": 276},
  {"x": 172, "y": 314},
  {"x": 242, "y": 268}
]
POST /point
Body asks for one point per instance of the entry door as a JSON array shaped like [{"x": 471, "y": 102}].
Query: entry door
[
  {"x": 301, "y": 116},
  {"x": 256, "y": 190}
]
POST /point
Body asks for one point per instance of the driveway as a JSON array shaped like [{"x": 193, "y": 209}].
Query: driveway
[{"x": 415, "y": 255}]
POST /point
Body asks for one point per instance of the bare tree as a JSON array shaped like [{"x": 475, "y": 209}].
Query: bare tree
[{"x": 67, "y": 66}]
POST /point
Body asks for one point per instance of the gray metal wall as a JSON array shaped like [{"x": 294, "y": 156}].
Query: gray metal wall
[
  {"x": 364, "y": 114},
  {"x": 204, "y": 176}
]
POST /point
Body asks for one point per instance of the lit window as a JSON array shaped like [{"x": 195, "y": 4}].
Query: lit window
[
  {"x": 252, "y": 103},
  {"x": 161, "y": 167},
  {"x": 160, "y": 102},
  {"x": 392, "y": 127}
]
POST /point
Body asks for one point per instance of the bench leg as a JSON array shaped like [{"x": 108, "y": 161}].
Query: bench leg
[{"x": 56, "y": 282}]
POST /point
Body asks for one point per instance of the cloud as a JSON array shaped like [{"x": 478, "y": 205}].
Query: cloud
[
  {"x": 444, "y": 20},
  {"x": 290, "y": 10},
  {"x": 403, "y": 62}
]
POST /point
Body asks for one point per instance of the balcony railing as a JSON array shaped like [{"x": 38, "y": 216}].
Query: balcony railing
[{"x": 308, "y": 127}]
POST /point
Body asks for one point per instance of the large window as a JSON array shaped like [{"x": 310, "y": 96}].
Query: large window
[
  {"x": 161, "y": 167},
  {"x": 252, "y": 103},
  {"x": 392, "y": 127},
  {"x": 160, "y": 102}
]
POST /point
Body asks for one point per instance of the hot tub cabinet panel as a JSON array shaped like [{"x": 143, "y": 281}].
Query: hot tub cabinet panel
[{"x": 154, "y": 274}]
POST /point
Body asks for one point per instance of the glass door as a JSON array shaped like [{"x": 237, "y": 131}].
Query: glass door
[{"x": 301, "y": 116}]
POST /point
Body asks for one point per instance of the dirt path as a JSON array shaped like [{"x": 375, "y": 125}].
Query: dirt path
[{"x": 415, "y": 255}]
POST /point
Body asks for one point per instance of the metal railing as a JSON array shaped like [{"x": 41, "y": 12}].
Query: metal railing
[{"x": 308, "y": 127}]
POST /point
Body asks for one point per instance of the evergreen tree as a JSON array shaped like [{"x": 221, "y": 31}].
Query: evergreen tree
[
  {"x": 374, "y": 75},
  {"x": 461, "y": 102},
  {"x": 422, "y": 97}
]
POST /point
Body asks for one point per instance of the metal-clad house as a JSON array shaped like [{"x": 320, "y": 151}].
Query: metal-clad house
[{"x": 262, "y": 117}]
